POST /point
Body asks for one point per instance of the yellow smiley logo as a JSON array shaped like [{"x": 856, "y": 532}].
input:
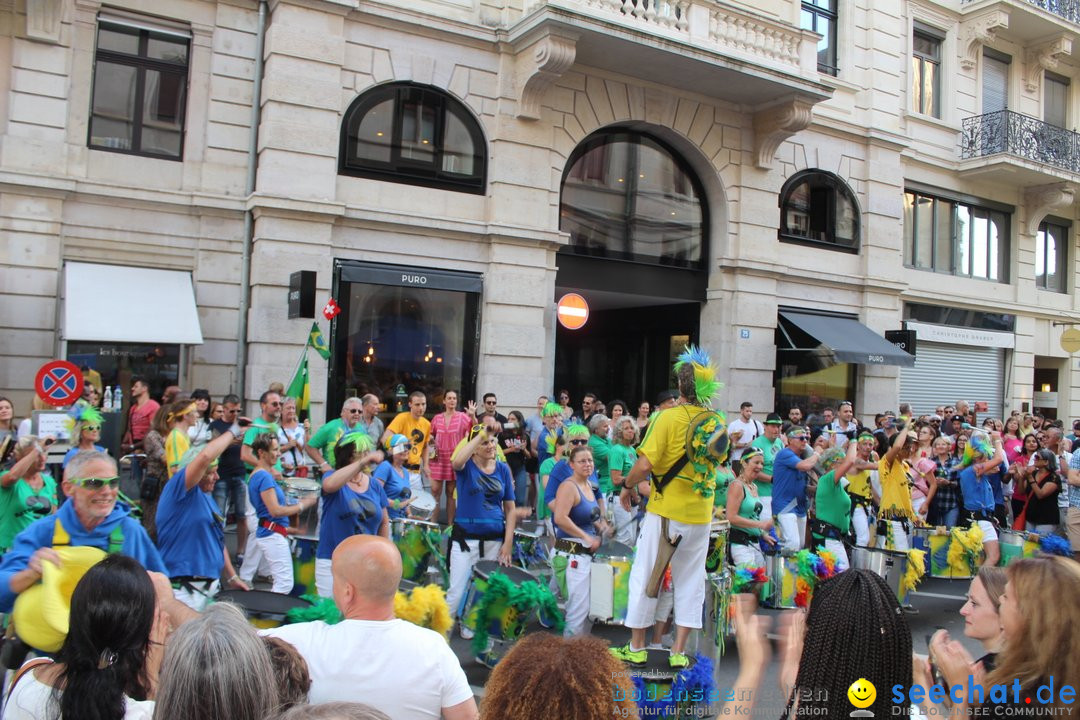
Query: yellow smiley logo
[{"x": 862, "y": 693}]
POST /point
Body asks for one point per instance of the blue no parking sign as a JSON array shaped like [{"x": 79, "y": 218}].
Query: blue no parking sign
[{"x": 59, "y": 382}]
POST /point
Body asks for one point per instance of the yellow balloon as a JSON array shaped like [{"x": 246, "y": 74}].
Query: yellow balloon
[{"x": 862, "y": 693}]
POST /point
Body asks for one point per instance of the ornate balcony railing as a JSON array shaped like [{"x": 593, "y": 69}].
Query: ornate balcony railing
[
  {"x": 1068, "y": 9},
  {"x": 1011, "y": 132}
]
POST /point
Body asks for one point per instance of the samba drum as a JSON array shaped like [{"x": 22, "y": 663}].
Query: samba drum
[
  {"x": 719, "y": 613},
  {"x": 718, "y": 542},
  {"x": 418, "y": 541},
  {"x": 306, "y": 524},
  {"x": 423, "y": 506},
  {"x": 529, "y": 551},
  {"x": 779, "y": 592},
  {"x": 303, "y": 564},
  {"x": 939, "y": 560},
  {"x": 1016, "y": 545},
  {"x": 889, "y": 564},
  {"x": 609, "y": 583},
  {"x": 504, "y": 623},
  {"x": 264, "y": 609},
  {"x": 920, "y": 540}
]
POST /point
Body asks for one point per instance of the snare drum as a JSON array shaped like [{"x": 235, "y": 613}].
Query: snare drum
[
  {"x": 779, "y": 592},
  {"x": 939, "y": 560},
  {"x": 609, "y": 583},
  {"x": 264, "y": 609},
  {"x": 1016, "y": 545},
  {"x": 303, "y": 563},
  {"x": 418, "y": 542},
  {"x": 306, "y": 523},
  {"x": 423, "y": 505},
  {"x": 503, "y": 621},
  {"x": 718, "y": 542},
  {"x": 889, "y": 564}
]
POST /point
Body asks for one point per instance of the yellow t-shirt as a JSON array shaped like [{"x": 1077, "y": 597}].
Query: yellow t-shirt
[
  {"x": 859, "y": 484},
  {"x": 418, "y": 430},
  {"x": 175, "y": 446},
  {"x": 895, "y": 491},
  {"x": 664, "y": 445}
]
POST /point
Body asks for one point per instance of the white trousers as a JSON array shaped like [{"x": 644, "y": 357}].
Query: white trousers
[
  {"x": 748, "y": 555},
  {"x": 274, "y": 551},
  {"x": 578, "y": 595},
  {"x": 324, "y": 579},
  {"x": 461, "y": 565},
  {"x": 766, "y": 505},
  {"x": 899, "y": 536},
  {"x": 837, "y": 548},
  {"x": 687, "y": 573},
  {"x": 861, "y": 523},
  {"x": 990, "y": 532},
  {"x": 197, "y": 601},
  {"x": 792, "y": 531},
  {"x": 252, "y": 522},
  {"x": 625, "y": 524},
  {"x": 416, "y": 481}
]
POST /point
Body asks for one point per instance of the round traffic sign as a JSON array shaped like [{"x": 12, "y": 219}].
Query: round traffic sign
[
  {"x": 59, "y": 382},
  {"x": 1070, "y": 340},
  {"x": 572, "y": 311}
]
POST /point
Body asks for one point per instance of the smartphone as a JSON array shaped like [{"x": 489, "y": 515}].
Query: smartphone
[
  {"x": 935, "y": 674},
  {"x": 243, "y": 422},
  {"x": 510, "y": 426}
]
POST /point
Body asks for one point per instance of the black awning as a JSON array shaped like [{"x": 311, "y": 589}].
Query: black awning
[{"x": 848, "y": 340}]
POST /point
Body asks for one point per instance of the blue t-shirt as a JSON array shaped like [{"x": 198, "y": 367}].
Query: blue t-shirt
[
  {"x": 394, "y": 485},
  {"x": 560, "y": 472},
  {"x": 995, "y": 483},
  {"x": 788, "y": 483},
  {"x": 75, "y": 451},
  {"x": 542, "y": 452},
  {"x": 584, "y": 515},
  {"x": 480, "y": 497},
  {"x": 190, "y": 531},
  {"x": 261, "y": 480},
  {"x": 977, "y": 492},
  {"x": 346, "y": 513}
]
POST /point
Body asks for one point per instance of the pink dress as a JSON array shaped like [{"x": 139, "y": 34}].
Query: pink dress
[{"x": 446, "y": 435}]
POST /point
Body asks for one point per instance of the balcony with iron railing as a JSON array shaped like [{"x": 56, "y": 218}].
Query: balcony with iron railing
[
  {"x": 1027, "y": 20},
  {"x": 1034, "y": 150}
]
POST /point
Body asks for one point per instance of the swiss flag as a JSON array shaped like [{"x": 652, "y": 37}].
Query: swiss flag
[{"x": 331, "y": 309}]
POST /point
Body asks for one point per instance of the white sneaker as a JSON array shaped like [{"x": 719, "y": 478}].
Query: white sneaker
[{"x": 466, "y": 633}]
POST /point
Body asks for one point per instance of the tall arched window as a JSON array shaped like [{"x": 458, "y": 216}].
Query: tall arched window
[
  {"x": 414, "y": 134},
  {"x": 818, "y": 208},
  {"x": 629, "y": 196}
]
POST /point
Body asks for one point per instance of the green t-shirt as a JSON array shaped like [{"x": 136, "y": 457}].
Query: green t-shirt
[
  {"x": 724, "y": 476},
  {"x": 833, "y": 502},
  {"x": 621, "y": 458},
  {"x": 542, "y": 510},
  {"x": 258, "y": 427},
  {"x": 326, "y": 439},
  {"x": 768, "y": 449},
  {"x": 750, "y": 508},
  {"x": 15, "y": 504},
  {"x": 600, "y": 450}
]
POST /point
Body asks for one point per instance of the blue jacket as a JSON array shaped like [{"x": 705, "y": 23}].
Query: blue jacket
[{"x": 136, "y": 543}]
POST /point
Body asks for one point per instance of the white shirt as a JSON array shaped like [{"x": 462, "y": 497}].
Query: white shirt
[
  {"x": 848, "y": 432},
  {"x": 408, "y": 672},
  {"x": 32, "y": 700},
  {"x": 750, "y": 431}
]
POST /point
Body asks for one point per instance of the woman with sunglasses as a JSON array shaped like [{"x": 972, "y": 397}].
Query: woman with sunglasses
[
  {"x": 268, "y": 500},
  {"x": 84, "y": 428},
  {"x": 394, "y": 478},
  {"x": 484, "y": 525},
  {"x": 579, "y": 528},
  {"x": 27, "y": 492},
  {"x": 575, "y": 436},
  {"x": 744, "y": 513}
]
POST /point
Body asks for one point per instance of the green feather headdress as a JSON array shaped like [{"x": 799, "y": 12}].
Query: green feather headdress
[
  {"x": 706, "y": 386},
  {"x": 79, "y": 416},
  {"x": 572, "y": 432},
  {"x": 551, "y": 409},
  {"x": 361, "y": 440}
]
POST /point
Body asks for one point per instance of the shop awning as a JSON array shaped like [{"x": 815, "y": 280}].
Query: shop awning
[
  {"x": 847, "y": 340},
  {"x": 117, "y": 303}
]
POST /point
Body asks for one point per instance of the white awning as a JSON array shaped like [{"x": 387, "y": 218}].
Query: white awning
[{"x": 117, "y": 303}]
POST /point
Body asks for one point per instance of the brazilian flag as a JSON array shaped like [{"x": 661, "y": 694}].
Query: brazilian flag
[
  {"x": 318, "y": 341},
  {"x": 300, "y": 387}
]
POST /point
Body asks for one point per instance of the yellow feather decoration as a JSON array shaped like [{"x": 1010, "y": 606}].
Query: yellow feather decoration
[{"x": 425, "y": 606}]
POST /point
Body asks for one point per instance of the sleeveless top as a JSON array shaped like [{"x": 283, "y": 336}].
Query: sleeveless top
[{"x": 584, "y": 514}]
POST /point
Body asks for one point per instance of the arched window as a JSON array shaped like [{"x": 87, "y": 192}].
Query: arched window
[
  {"x": 414, "y": 134},
  {"x": 629, "y": 196},
  {"x": 818, "y": 208}
]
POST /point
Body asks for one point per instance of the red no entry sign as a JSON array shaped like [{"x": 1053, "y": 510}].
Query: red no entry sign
[
  {"x": 59, "y": 383},
  {"x": 572, "y": 311}
]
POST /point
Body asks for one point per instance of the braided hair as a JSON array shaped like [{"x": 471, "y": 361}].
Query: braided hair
[{"x": 855, "y": 629}]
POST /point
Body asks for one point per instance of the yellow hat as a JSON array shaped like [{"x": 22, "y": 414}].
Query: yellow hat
[{"x": 42, "y": 612}]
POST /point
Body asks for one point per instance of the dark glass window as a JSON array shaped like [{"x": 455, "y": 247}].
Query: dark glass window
[
  {"x": 819, "y": 208},
  {"x": 629, "y": 196},
  {"x": 140, "y": 91},
  {"x": 956, "y": 238},
  {"x": 926, "y": 74},
  {"x": 820, "y": 16},
  {"x": 1051, "y": 243},
  {"x": 413, "y": 134}
]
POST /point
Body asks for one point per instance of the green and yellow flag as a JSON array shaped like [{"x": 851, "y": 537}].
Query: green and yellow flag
[
  {"x": 317, "y": 341},
  {"x": 300, "y": 387}
]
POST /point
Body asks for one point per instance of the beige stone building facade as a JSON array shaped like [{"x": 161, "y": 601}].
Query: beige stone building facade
[{"x": 810, "y": 175}]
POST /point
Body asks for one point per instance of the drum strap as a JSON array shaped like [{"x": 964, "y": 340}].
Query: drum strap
[
  {"x": 460, "y": 537},
  {"x": 825, "y": 530},
  {"x": 741, "y": 537}
]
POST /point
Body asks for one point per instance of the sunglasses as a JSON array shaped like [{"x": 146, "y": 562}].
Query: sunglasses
[
  {"x": 354, "y": 411},
  {"x": 489, "y": 402},
  {"x": 96, "y": 483},
  {"x": 92, "y": 428},
  {"x": 579, "y": 442},
  {"x": 274, "y": 404}
]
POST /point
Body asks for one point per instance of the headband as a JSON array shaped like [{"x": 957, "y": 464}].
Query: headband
[{"x": 181, "y": 413}]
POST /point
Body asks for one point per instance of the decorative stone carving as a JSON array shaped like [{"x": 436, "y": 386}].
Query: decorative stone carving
[
  {"x": 776, "y": 124},
  {"x": 539, "y": 65},
  {"x": 978, "y": 31},
  {"x": 44, "y": 19},
  {"x": 1044, "y": 57},
  {"x": 1041, "y": 200}
]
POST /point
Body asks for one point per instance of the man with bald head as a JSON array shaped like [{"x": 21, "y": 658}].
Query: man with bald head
[{"x": 404, "y": 670}]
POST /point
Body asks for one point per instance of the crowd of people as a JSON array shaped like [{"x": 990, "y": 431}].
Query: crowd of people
[{"x": 147, "y": 640}]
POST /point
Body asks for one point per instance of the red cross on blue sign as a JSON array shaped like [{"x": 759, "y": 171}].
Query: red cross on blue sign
[{"x": 59, "y": 383}]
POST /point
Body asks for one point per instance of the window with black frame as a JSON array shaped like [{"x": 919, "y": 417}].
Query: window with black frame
[
  {"x": 956, "y": 237},
  {"x": 1051, "y": 256},
  {"x": 413, "y": 134},
  {"x": 926, "y": 71},
  {"x": 821, "y": 16},
  {"x": 140, "y": 89},
  {"x": 818, "y": 208}
]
